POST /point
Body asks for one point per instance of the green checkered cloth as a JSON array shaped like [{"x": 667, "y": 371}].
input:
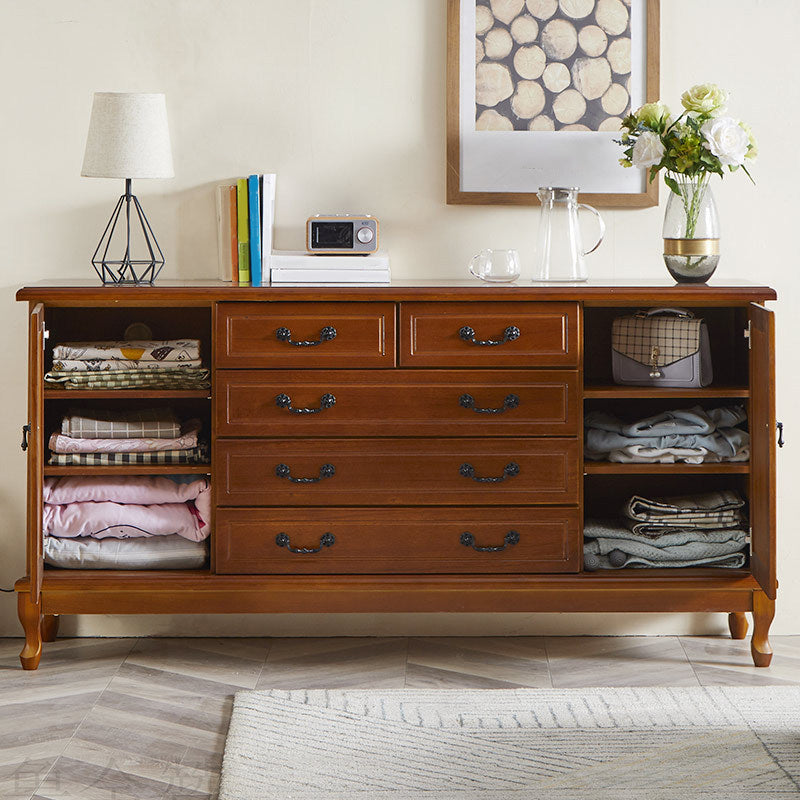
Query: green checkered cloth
[
  {"x": 192, "y": 455},
  {"x": 164, "y": 379}
]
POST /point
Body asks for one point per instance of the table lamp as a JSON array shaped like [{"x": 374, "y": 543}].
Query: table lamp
[{"x": 128, "y": 138}]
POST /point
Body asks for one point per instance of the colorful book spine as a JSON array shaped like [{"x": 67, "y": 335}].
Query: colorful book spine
[
  {"x": 243, "y": 228},
  {"x": 233, "y": 244},
  {"x": 254, "y": 214}
]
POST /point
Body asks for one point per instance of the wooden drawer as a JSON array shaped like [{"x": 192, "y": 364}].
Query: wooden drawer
[
  {"x": 350, "y": 472},
  {"x": 403, "y": 540},
  {"x": 397, "y": 403},
  {"x": 346, "y": 335},
  {"x": 526, "y": 334}
]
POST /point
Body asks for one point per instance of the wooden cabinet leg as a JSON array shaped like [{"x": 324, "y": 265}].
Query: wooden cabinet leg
[
  {"x": 763, "y": 612},
  {"x": 30, "y": 615},
  {"x": 737, "y": 622},
  {"x": 50, "y": 627}
]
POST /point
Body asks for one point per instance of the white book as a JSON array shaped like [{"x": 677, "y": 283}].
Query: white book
[
  {"x": 224, "y": 233},
  {"x": 267, "y": 183},
  {"x": 300, "y": 259},
  {"x": 325, "y": 276}
]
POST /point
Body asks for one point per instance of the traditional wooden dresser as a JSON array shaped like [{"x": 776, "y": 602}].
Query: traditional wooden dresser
[{"x": 408, "y": 448}]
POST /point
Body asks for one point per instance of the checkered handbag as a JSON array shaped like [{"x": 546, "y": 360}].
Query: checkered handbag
[{"x": 661, "y": 347}]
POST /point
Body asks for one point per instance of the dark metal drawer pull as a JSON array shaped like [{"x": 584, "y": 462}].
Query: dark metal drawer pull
[
  {"x": 509, "y": 471},
  {"x": 468, "y": 401},
  {"x": 26, "y": 429},
  {"x": 325, "y": 471},
  {"x": 509, "y": 334},
  {"x": 327, "y": 334},
  {"x": 509, "y": 540},
  {"x": 326, "y": 540},
  {"x": 284, "y": 401}
]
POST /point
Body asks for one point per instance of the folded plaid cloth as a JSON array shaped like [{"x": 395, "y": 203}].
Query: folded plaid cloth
[
  {"x": 710, "y": 510},
  {"x": 593, "y": 561},
  {"x": 194, "y": 455},
  {"x": 59, "y": 443},
  {"x": 617, "y": 530},
  {"x": 168, "y": 350},
  {"x": 113, "y": 365},
  {"x": 147, "y": 423},
  {"x": 167, "y": 379}
]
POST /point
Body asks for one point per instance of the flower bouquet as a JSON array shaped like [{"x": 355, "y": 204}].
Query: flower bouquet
[{"x": 701, "y": 142}]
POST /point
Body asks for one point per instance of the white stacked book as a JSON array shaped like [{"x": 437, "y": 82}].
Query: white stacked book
[{"x": 298, "y": 266}]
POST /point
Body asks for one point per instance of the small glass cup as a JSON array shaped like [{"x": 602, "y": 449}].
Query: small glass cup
[{"x": 496, "y": 266}]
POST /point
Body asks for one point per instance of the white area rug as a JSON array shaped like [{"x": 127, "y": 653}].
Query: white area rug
[{"x": 559, "y": 744}]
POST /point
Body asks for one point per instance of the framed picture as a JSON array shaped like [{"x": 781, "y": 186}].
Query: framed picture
[{"x": 536, "y": 90}]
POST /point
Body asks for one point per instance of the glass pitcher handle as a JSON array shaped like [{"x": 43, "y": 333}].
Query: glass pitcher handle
[{"x": 602, "y": 227}]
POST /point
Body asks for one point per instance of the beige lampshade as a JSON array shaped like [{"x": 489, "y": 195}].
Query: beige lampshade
[{"x": 128, "y": 137}]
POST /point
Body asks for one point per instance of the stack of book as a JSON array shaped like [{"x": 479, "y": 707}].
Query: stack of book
[
  {"x": 288, "y": 266},
  {"x": 245, "y": 216}
]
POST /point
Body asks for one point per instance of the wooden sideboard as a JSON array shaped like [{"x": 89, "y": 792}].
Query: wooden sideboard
[{"x": 408, "y": 448}]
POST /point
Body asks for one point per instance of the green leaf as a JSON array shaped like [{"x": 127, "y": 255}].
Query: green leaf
[{"x": 673, "y": 184}]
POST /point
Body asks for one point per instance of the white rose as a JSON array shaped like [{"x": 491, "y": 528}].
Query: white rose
[
  {"x": 648, "y": 150},
  {"x": 726, "y": 140}
]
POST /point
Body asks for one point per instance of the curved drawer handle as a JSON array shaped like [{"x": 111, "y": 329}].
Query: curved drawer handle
[
  {"x": 284, "y": 401},
  {"x": 509, "y": 471},
  {"x": 468, "y": 401},
  {"x": 325, "y": 471},
  {"x": 509, "y": 540},
  {"x": 509, "y": 334},
  {"x": 26, "y": 429},
  {"x": 327, "y": 334},
  {"x": 326, "y": 540}
]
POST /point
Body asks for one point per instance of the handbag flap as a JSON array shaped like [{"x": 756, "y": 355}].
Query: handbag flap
[{"x": 674, "y": 337}]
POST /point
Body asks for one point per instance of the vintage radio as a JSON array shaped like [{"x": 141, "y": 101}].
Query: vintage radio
[{"x": 342, "y": 234}]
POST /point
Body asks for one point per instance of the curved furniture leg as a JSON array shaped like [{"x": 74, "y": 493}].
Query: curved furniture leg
[
  {"x": 50, "y": 627},
  {"x": 763, "y": 612},
  {"x": 737, "y": 622},
  {"x": 30, "y": 615}
]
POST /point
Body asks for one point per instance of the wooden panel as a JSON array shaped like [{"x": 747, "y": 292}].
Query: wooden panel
[
  {"x": 397, "y": 403},
  {"x": 36, "y": 437},
  {"x": 762, "y": 448},
  {"x": 410, "y": 540},
  {"x": 396, "y": 472},
  {"x": 246, "y": 335},
  {"x": 548, "y": 334}
]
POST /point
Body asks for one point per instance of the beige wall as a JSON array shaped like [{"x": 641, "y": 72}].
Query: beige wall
[{"x": 344, "y": 99}]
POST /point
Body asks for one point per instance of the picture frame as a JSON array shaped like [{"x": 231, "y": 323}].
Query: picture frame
[{"x": 498, "y": 159}]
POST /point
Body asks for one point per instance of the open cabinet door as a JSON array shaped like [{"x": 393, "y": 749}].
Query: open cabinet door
[
  {"x": 762, "y": 448},
  {"x": 36, "y": 340}
]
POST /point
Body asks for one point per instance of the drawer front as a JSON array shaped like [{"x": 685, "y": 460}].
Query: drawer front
[
  {"x": 301, "y": 335},
  {"x": 404, "y": 540},
  {"x": 489, "y": 334},
  {"x": 396, "y": 403},
  {"x": 285, "y": 472}
]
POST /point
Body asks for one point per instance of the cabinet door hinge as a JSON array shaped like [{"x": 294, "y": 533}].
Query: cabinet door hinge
[{"x": 748, "y": 337}]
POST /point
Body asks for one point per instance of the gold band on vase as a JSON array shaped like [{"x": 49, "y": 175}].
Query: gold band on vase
[{"x": 691, "y": 247}]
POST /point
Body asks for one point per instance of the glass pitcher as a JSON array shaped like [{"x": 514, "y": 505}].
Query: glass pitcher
[{"x": 561, "y": 254}]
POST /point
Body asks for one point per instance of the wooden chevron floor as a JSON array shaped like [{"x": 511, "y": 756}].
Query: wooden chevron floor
[{"x": 118, "y": 719}]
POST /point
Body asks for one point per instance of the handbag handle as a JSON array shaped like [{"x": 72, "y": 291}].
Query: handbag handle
[{"x": 679, "y": 312}]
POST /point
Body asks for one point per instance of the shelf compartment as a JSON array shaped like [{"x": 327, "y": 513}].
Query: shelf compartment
[
  {"x": 612, "y": 468},
  {"x": 654, "y": 393},
  {"x": 131, "y": 469}
]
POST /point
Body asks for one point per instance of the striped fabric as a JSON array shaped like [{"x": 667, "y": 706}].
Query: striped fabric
[
  {"x": 166, "y": 379},
  {"x": 192, "y": 455},
  {"x": 147, "y": 423}
]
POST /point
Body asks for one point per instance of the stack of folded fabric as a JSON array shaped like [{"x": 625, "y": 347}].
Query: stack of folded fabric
[
  {"x": 164, "y": 520},
  {"x": 173, "y": 364},
  {"x": 149, "y": 436},
  {"x": 689, "y": 435},
  {"x": 690, "y": 531}
]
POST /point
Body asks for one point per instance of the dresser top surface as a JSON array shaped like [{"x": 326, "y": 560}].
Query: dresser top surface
[{"x": 595, "y": 292}]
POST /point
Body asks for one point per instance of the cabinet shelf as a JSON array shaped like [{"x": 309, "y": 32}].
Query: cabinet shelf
[
  {"x": 611, "y": 468},
  {"x": 131, "y": 469},
  {"x": 126, "y": 394},
  {"x": 654, "y": 393}
]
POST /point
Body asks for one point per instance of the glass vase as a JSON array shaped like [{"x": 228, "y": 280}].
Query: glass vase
[{"x": 691, "y": 230}]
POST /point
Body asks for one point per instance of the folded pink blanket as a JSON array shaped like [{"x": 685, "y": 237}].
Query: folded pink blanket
[
  {"x": 126, "y": 506},
  {"x": 59, "y": 443}
]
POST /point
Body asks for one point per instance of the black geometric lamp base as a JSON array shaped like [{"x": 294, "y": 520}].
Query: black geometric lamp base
[{"x": 128, "y": 271}]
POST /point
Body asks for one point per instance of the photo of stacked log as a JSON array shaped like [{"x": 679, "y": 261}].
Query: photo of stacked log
[{"x": 552, "y": 65}]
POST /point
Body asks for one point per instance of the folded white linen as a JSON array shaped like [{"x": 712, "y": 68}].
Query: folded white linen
[
  {"x": 166, "y": 350},
  {"x": 113, "y": 365},
  {"x": 59, "y": 443}
]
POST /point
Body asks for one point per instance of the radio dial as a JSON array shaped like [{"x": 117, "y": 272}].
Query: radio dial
[{"x": 365, "y": 235}]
